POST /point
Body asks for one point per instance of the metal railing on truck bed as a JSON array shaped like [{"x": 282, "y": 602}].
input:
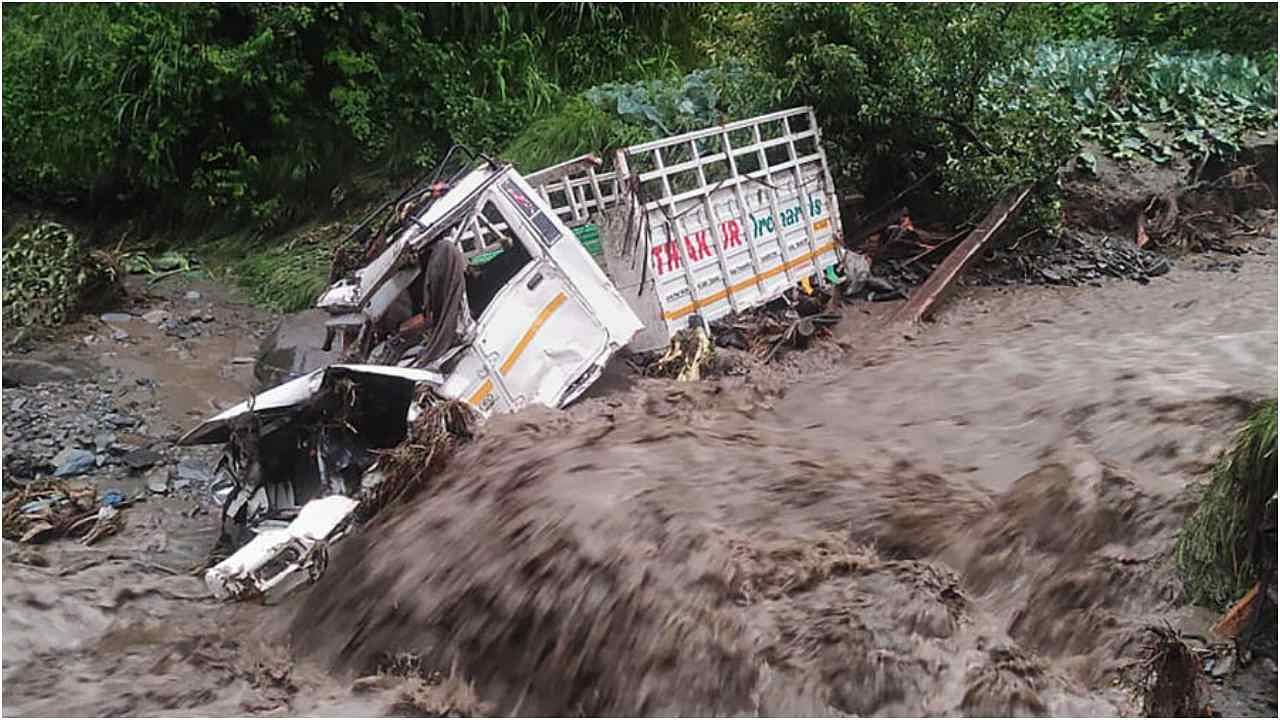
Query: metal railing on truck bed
[{"x": 726, "y": 218}]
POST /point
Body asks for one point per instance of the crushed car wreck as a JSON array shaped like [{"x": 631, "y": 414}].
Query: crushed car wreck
[{"x": 482, "y": 289}]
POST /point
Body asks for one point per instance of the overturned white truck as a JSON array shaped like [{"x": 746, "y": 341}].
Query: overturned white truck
[{"x": 486, "y": 291}]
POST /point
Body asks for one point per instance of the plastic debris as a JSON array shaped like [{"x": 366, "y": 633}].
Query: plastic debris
[
  {"x": 108, "y": 521},
  {"x": 114, "y": 498},
  {"x": 73, "y": 461},
  {"x": 687, "y": 357}
]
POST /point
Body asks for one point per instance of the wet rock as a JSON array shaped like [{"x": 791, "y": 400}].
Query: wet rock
[
  {"x": 18, "y": 372},
  {"x": 116, "y": 317},
  {"x": 120, "y": 420},
  {"x": 155, "y": 317},
  {"x": 21, "y": 464},
  {"x": 73, "y": 461},
  {"x": 103, "y": 441},
  {"x": 183, "y": 330},
  {"x": 142, "y": 459},
  {"x": 1079, "y": 258},
  {"x": 128, "y": 443},
  {"x": 124, "y": 447},
  {"x": 119, "y": 335},
  {"x": 158, "y": 480},
  {"x": 192, "y": 472}
]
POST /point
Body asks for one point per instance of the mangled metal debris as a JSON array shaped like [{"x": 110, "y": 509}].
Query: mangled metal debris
[
  {"x": 475, "y": 291},
  {"x": 276, "y": 553}
]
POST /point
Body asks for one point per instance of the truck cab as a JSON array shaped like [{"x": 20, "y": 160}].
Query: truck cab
[{"x": 538, "y": 319}]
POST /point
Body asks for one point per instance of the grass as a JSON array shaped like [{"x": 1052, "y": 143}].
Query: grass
[
  {"x": 1214, "y": 552},
  {"x": 575, "y": 129},
  {"x": 285, "y": 277}
]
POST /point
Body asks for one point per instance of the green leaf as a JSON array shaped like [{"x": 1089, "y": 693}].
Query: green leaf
[{"x": 1089, "y": 162}]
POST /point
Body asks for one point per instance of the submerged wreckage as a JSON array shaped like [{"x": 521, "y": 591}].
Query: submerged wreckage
[{"x": 483, "y": 288}]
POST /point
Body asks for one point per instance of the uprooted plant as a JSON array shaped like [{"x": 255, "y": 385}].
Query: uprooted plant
[
  {"x": 1172, "y": 682},
  {"x": 441, "y": 427}
]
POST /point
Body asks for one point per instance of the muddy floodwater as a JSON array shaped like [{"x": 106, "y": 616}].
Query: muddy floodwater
[{"x": 969, "y": 517}]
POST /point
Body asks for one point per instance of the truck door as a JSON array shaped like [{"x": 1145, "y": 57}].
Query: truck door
[{"x": 548, "y": 332}]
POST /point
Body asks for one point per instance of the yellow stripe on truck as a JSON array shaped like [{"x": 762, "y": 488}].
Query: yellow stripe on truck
[
  {"x": 538, "y": 322},
  {"x": 742, "y": 284},
  {"x": 486, "y": 387},
  {"x": 481, "y": 393}
]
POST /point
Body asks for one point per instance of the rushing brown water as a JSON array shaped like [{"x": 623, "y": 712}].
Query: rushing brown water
[
  {"x": 971, "y": 521},
  {"x": 976, "y": 524}
]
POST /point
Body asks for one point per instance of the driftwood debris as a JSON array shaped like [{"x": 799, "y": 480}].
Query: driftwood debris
[
  {"x": 1174, "y": 684},
  {"x": 924, "y": 298},
  {"x": 1233, "y": 622}
]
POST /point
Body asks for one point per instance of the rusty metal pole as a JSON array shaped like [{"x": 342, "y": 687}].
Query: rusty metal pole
[{"x": 924, "y": 298}]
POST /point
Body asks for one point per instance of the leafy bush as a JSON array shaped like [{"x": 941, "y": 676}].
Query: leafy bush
[
  {"x": 227, "y": 115},
  {"x": 615, "y": 115},
  {"x": 972, "y": 98},
  {"x": 577, "y": 128},
  {"x": 1200, "y": 103},
  {"x": 49, "y": 275},
  {"x": 1247, "y": 29},
  {"x": 905, "y": 92},
  {"x": 257, "y": 110}
]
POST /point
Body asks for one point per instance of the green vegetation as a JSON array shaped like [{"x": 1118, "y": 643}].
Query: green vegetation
[
  {"x": 49, "y": 275},
  {"x": 1156, "y": 104},
  {"x": 285, "y": 278},
  {"x": 250, "y": 119},
  {"x": 1215, "y": 552},
  {"x": 256, "y": 111}
]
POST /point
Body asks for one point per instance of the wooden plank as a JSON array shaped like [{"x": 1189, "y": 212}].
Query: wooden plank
[
  {"x": 928, "y": 294},
  {"x": 1234, "y": 620}
]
